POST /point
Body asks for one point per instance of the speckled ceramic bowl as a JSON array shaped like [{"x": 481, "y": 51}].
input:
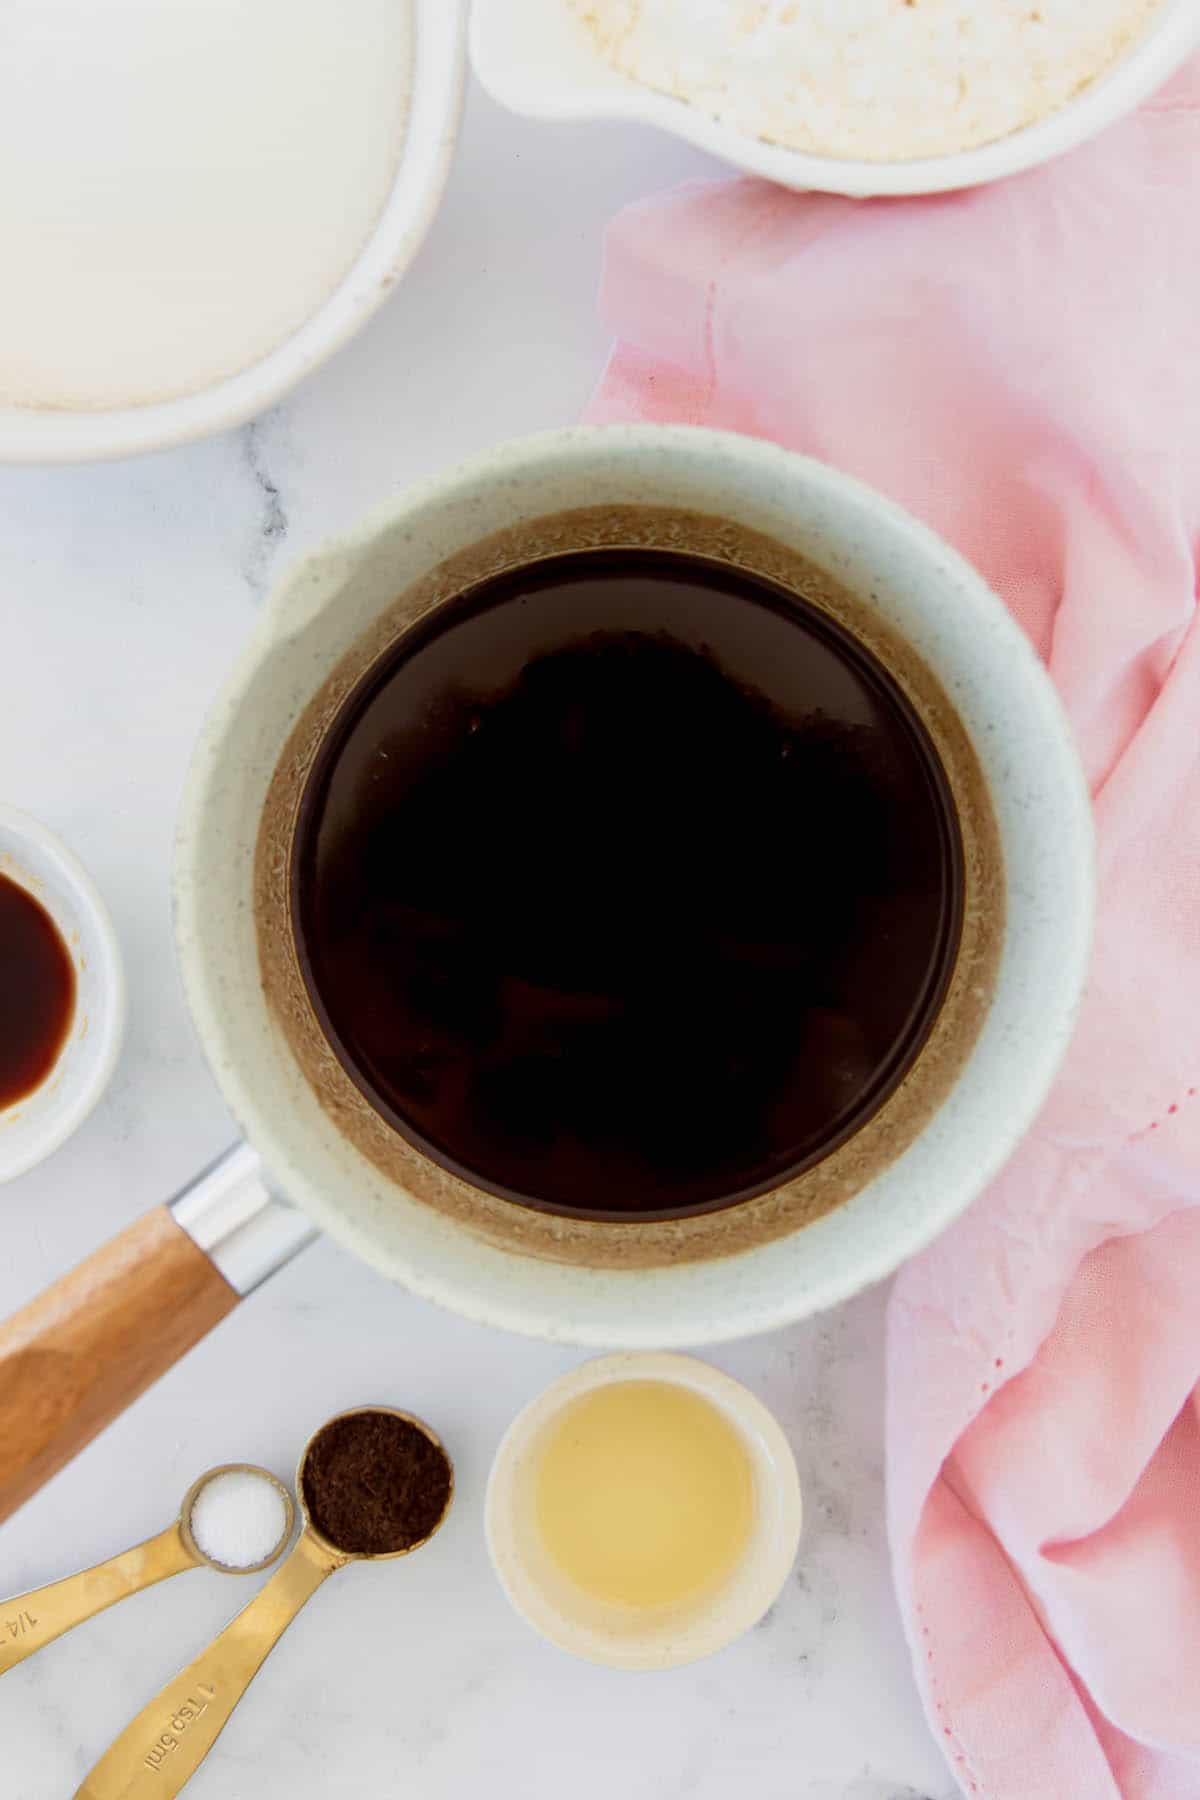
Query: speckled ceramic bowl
[
  {"x": 659, "y": 1637},
  {"x": 1003, "y": 1026}
]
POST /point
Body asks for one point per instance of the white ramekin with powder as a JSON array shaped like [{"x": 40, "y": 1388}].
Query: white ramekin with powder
[{"x": 875, "y": 80}]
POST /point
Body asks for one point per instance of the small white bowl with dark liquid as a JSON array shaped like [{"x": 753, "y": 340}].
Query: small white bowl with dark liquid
[
  {"x": 62, "y": 987},
  {"x": 638, "y": 889}
]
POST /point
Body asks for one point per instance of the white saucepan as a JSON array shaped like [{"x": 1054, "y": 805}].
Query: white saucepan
[{"x": 73, "y": 1358}]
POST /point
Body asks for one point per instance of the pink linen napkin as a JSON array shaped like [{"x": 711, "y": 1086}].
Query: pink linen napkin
[{"x": 1020, "y": 366}]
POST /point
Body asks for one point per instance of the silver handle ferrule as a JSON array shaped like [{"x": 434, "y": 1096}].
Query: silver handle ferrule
[{"x": 233, "y": 1213}]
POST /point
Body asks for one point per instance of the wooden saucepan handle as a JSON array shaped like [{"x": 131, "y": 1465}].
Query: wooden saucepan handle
[
  {"x": 76, "y": 1357},
  {"x": 81, "y": 1352}
]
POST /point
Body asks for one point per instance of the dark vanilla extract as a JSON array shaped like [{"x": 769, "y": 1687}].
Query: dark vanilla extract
[{"x": 37, "y": 992}]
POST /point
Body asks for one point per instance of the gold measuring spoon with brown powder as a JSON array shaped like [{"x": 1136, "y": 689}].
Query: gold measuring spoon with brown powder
[{"x": 374, "y": 1484}]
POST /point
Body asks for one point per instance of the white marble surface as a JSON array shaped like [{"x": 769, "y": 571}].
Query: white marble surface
[{"x": 124, "y": 592}]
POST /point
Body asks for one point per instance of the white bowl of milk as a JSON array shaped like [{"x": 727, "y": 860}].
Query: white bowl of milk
[{"x": 213, "y": 197}]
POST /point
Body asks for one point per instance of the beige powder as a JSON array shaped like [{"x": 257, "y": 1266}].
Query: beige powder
[{"x": 881, "y": 80}]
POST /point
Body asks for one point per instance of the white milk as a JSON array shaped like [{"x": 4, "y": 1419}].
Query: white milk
[{"x": 183, "y": 183}]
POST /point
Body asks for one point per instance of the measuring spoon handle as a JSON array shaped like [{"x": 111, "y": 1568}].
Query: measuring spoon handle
[
  {"x": 31, "y": 1620},
  {"x": 164, "y": 1746}
]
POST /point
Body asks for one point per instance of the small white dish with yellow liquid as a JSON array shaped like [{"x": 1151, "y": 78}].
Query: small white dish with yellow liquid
[{"x": 644, "y": 1511}]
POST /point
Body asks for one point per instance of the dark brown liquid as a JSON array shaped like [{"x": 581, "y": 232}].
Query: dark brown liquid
[
  {"x": 37, "y": 992},
  {"x": 628, "y": 884}
]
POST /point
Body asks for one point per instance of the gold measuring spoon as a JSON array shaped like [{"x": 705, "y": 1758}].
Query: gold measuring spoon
[
  {"x": 158, "y": 1753},
  {"x": 31, "y": 1620}
]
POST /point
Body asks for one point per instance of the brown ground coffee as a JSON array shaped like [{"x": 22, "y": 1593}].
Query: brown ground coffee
[{"x": 375, "y": 1484}]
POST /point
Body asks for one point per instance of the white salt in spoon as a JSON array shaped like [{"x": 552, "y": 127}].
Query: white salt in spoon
[{"x": 236, "y": 1518}]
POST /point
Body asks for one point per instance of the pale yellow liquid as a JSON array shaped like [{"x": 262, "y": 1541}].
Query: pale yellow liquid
[{"x": 644, "y": 1494}]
